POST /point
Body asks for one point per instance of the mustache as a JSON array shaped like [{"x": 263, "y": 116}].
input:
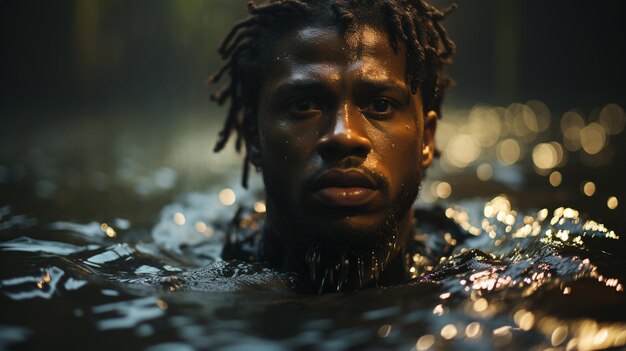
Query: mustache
[{"x": 345, "y": 164}]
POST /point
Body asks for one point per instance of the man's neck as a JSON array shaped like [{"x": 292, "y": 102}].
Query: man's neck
[{"x": 338, "y": 271}]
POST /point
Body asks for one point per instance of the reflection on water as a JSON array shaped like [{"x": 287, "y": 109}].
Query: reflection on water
[
  {"x": 95, "y": 251},
  {"x": 486, "y": 277}
]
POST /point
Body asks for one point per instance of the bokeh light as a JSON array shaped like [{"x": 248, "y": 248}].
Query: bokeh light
[
  {"x": 508, "y": 151},
  {"x": 572, "y": 122},
  {"x": 425, "y": 342},
  {"x": 259, "y": 207},
  {"x": 448, "y": 331},
  {"x": 484, "y": 172},
  {"x": 444, "y": 190},
  {"x": 542, "y": 114},
  {"x": 179, "y": 218},
  {"x": 521, "y": 121},
  {"x": 593, "y": 138},
  {"x": 555, "y": 178},
  {"x": 473, "y": 330},
  {"x": 545, "y": 156},
  {"x": 227, "y": 197},
  {"x": 613, "y": 119},
  {"x": 485, "y": 125},
  {"x": 589, "y": 188},
  {"x": 461, "y": 151}
]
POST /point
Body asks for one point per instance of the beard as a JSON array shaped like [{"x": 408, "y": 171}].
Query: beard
[{"x": 337, "y": 255}]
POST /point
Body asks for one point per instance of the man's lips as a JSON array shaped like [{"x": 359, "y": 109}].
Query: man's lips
[
  {"x": 344, "y": 188},
  {"x": 346, "y": 196}
]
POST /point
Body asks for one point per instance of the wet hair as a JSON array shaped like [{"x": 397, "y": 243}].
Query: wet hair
[{"x": 247, "y": 50}]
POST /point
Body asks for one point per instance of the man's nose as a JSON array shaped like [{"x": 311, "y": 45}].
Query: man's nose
[{"x": 346, "y": 136}]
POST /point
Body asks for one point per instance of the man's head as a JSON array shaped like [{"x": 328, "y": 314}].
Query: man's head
[{"x": 337, "y": 103}]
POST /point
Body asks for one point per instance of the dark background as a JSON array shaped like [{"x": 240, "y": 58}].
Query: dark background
[
  {"x": 96, "y": 54},
  {"x": 94, "y": 91}
]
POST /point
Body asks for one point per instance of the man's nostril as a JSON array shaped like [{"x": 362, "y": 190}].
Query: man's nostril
[{"x": 338, "y": 146}]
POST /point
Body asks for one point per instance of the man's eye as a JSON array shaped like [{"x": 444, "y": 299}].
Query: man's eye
[
  {"x": 380, "y": 106},
  {"x": 304, "y": 105}
]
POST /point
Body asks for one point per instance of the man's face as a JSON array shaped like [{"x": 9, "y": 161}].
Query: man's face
[{"x": 341, "y": 137}]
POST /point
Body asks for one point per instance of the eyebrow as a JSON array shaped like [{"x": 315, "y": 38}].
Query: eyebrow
[
  {"x": 381, "y": 85},
  {"x": 299, "y": 84},
  {"x": 312, "y": 84}
]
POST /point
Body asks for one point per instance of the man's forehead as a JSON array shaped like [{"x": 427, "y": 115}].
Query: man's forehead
[
  {"x": 320, "y": 43},
  {"x": 323, "y": 53}
]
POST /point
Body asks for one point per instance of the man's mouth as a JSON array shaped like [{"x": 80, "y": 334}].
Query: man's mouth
[{"x": 350, "y": 187}]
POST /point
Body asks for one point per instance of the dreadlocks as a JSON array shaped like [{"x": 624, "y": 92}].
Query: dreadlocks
[{"x": 247, "y": 50}]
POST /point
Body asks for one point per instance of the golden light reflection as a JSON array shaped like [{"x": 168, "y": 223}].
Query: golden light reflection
[
  {"x": 485, "y": 125},
  {"x": 259, "y": 207},
  {"x": 384, "y": 330},
  {"x": 444, "y": 296},
  {"x": 162, "y": 304},
  {"x": 591, "y": 335},
  {"x": 502, "y": 336},
  {"x": 484, "y": 172},
  {"x": 613, "y": 119},
  {"x": 593, "y": 138},
  {"x": 443, "y": 190},
  {"x": 612, "y": 202},
  {"x": 449, "y": 331},
  {"x": 555, "y": 178},
  {"x": 473, "y": 330},
  {"x": 438, "y": 310},
  {"x": 508, "y": 151},
  {"x": 179, "y": 218},
  {"x": 109, "y": 231},
  {"x": 572, "y": 123},
  {"x": 461, "y": 151},
  {"x": 524, "y": 319},
  {"x": 559, "y": 335},
  {"x": 425, "y": 342},
  {"x": 521, "y": 121},
  {"x": 561, "y": 158},
  {"x": 227, "y": 197},
  {"x": 461, "y": 217},
  {"x": 480, "y": 305},
  {"x": 497, "y": 205},
  {"x": 542, "y": 114},
  {"x": 589, "y": 188},
  {"x": 202, "y": 228},
  {"x": 545, "y": 156},
  {"x": 44, "y": 280}
]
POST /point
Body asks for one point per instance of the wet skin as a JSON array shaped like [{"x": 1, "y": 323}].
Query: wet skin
[{"x": 341, "y": 138}]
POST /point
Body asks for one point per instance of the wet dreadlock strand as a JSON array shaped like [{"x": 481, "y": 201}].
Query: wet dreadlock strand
[
  {"x": 396, "y": 29},
  {"x": 413, "y": 22},
  {"x": 248, "y": 22}
]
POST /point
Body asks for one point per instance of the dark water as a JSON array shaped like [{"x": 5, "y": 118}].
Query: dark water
[
  {"x": 98, "y": 249},
  {"x": 510, "y": 280}
]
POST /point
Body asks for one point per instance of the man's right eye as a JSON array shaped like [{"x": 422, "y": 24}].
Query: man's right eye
[{"x": 304, "y": 105}]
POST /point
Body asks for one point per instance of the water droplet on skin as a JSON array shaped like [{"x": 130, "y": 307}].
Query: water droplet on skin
[{"x": 393, "y": 146}]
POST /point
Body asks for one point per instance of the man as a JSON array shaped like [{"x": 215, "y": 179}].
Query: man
[{"x": 337, "y": 104}]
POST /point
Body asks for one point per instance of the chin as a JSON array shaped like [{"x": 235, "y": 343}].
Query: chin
[{"x": 354, "y": 234}]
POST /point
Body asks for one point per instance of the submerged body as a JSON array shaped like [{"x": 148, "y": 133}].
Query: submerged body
[{"x": 481, "y": 276}]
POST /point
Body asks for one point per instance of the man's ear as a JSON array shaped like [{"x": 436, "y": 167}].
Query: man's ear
[{"x": 428, "y": 140}]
